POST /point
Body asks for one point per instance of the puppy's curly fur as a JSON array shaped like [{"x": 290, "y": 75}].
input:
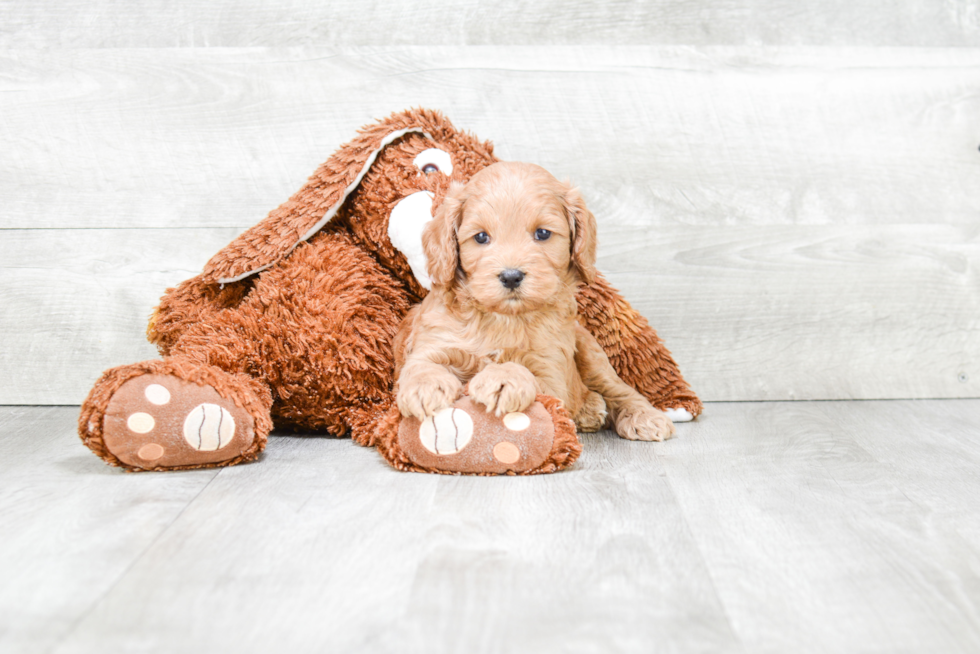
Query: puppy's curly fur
[{"x": 506, "y": 253}]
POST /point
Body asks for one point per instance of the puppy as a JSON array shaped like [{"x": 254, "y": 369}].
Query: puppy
[{"x": 506, "y": 253}]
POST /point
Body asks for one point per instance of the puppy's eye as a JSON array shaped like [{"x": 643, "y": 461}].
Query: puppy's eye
[
  {"x": 430, "y": 168},
  {"x": 482, "y": 238},
  {"x": 542, "y": 235}
]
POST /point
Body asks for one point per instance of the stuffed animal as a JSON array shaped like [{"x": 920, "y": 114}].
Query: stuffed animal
[{"x": 293, "y": 324}]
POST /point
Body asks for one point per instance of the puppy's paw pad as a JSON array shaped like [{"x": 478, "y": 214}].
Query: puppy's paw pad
[{"x": 679, "y": 414}]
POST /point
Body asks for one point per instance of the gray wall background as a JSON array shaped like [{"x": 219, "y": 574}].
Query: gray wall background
[{"x": 789, "y": 191}]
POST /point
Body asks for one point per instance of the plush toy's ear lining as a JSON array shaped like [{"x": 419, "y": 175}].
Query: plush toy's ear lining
[
  {"x": 583, "y": 226},
  {"x": 439, "y": 237},
  {"x": 263, "y": 246},
  {"x": 372, "y": 157}
]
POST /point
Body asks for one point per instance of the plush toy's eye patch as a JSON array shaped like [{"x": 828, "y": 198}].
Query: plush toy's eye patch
[{"x": 434, "y": 160}]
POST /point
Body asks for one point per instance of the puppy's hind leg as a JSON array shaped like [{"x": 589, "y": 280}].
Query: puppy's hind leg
[
  {"x": 592, "y": 415},
  {"x": 633, "y": 416}
]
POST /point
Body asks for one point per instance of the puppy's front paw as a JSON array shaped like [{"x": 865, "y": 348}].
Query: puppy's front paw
[
  {"x": 427, "y": 395},
  {"x": 504, "y": 388},
  {"x": 644, "y": 423}
]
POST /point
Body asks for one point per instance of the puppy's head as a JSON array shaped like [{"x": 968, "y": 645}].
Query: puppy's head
[{"x": 514, "y": 239}]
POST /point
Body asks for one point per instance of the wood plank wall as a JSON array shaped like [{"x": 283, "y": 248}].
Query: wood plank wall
[{"x": 790, "y": 192}]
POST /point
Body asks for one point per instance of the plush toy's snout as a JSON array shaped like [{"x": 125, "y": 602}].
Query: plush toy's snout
[{"x": 405, "y": 226}]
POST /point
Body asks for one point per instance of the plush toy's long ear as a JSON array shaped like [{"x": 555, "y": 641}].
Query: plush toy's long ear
[
  {"x": 312, "y": 207},
  {"x": 583, "y": 227},
  {"x": 439, "y": 237}
]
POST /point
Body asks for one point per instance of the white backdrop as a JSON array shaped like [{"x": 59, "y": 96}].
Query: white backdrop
[{"x": 789, "y": 192}]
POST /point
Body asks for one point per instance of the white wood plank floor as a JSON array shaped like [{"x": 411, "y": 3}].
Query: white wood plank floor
[{"x": 763, "y": 527}]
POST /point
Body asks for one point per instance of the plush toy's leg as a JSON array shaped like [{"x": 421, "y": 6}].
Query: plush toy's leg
[
  {"x": 635, "y": 351},
  {"x": 192, "y": 302},
  {"x": 174, "y": 414},
  {"x": 317, "y": 329},
  {"x": 369, "y": 424},
  {"x": 466, "y": 439}
]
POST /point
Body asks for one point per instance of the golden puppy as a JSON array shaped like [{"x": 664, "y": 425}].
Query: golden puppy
[{"x": 505, "y": 253}]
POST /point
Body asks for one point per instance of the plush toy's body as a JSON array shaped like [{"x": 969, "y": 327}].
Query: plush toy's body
[{"x": 294, "y": 321}]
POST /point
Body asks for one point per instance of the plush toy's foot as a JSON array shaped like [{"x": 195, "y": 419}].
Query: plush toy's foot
[
  {"x": 679, "y": 414},
  {"x": 680, "y": 409},
  {"x": 172, "y": 414},
  {"x": 466, "y": 439}
]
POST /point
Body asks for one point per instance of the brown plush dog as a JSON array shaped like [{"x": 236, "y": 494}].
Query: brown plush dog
[
  {"x": 506, "y": 254},
  {"x": 294, "y": 321}
]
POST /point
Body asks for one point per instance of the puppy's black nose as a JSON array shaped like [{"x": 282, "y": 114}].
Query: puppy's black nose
[{"x": 511, "y": 278}]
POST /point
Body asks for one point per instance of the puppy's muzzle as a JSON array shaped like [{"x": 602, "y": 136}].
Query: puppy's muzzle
[{"x": 511, "y": 278}]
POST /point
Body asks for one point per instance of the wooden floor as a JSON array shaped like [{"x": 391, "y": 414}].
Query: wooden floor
[{"x": 763, "y": 527}]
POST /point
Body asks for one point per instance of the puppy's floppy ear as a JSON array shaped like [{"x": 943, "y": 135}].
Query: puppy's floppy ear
[
  {"x": 439, "y": 237},
  {"x": 583, "y": 226}
]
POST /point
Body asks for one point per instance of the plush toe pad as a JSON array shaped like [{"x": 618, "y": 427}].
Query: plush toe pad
[
  {"x": 160, "y": 421},
  {"x": 467, "y": 439},
  {"x": 679, "y": 414}
]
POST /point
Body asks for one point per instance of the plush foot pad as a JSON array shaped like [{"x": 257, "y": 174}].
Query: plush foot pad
[
  {"x": 468, "y": 439},
  {"x": 159, "y": 421},
  {"x": 679, "y": 414}
]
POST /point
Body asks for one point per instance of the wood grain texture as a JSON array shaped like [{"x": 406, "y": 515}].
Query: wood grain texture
[
  {"x": 788, "y": 312},
  {"x": 809, "y": 311},
  {"x": 77, "y": 302},
  {"x": 937, "y": 455},
  {"x": 668, "y": 135},
  {"x": 762, "y": 527},
  {"x": 418, "y": 561},
  {"x": 71, "y": 530},
  {"x": 157, "y": 23},
  {"x": 817, "y": 538}
]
